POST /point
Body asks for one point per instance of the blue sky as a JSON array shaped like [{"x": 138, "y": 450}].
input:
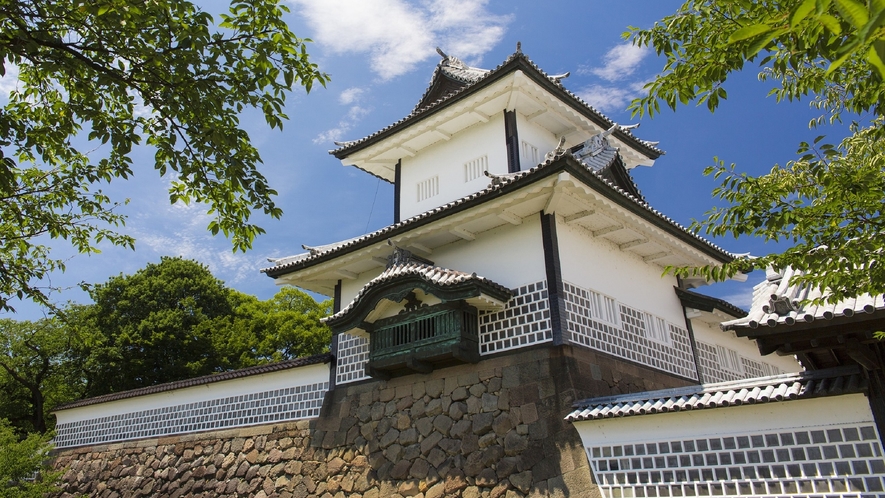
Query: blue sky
[{"x": 380, "y": 55}]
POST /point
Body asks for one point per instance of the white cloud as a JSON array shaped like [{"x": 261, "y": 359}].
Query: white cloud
[
  {"x": 350, "y": 95},
  {"x": 191, "y": 240},
  {"x": 354, "y": 114},
  {"x": 397, "y": 34},
  {"x": 619, "y": 62},
  {"x": 9, "y": 81},
  {"x": 611, "y": 98},
  {"x": 742, "y": 300}
]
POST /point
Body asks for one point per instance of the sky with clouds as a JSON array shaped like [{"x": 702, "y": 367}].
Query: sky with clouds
[{"x": 380, "y": 55}]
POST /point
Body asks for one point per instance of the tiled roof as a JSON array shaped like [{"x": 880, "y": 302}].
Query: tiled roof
[
  {"x": 433, "y": 274},
  {"x": 510, "y": 182},
  {"x": 472, "y": 79},
  {"x": 777, "y": 301},
  {"x": 708, "y": 303},
  {"x": 785, "y": 387},
  {"x": 200, "y": 381}
]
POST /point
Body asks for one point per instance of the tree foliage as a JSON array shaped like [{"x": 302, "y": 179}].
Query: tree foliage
[
  {"x": 97, "y": 79},
  {"x": 166, "y": 322},
  {"x": 174, "y": 320},
  {"x": 37, "y": 372},
  {"x": 827, "y": 202},
  {"x": 22, "y": 464}
]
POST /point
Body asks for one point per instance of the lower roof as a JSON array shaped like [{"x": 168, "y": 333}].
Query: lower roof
[
  {"x": 785, "y": 387},
  {"x": 200, "y": 381}
]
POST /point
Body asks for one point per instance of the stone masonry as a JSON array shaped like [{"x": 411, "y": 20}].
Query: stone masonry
[{"x": 492, "y": 430}]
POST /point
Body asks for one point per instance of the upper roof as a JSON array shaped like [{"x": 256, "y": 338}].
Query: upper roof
[
  {"x": 200, "y": 381},
  {"x": 785, "y": 387},
  {"x": 453, "y": 82},
  {"x": 777, "y": 302},
  {"x": 499, "y": 187}
]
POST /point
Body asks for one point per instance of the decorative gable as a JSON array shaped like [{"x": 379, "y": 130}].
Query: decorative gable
[{"x": 419, "y": 316}]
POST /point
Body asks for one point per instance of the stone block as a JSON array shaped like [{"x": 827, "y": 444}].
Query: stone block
[
  {"x": 436, "y": 491},
  {"x": 460, "y": 428},
  {"x": 514, "y": 443},
  {"x": 411, "y": 452},
  {"x": 451, "y": 383},
  {"x": 419, "y": 469},
  {"x": 434, "y": 387},
  {"x": 510, "y": 377},
  {"x": 522, "y": 481},
  {"x": 494, "y": 385},
  {"x": 482, "y": 423},
  {"x": 474, "y": 405},
  {"x": 451, "y": 446},
  {"x": 502, "y": 424},
  {"x": 433, "y": 408},
  {"x": 460, "y": 393},
  {"x": 408, "y": 436},
  {"x": 487, "y": 440},
  {"x": 418, "y": 390},
  {"x": 387, "y": 394},
  {"x": 469, "y": 444},
  {"x": 477, "y": 390},
  {"x": 528, "y": 413},
  {"x": 430, "y": 442},
  {"x": 455, "y": 481},
  {"x": 403, "y": 422},
  {"x": 489, "y": 402},
  {"x": 436, "y": 456},
  {"x": 486, "y": 478},
  {"x": 400, "y": 469},
  {"x": 457, "y": 410},
  {"x": 394, "y": 452},
  {"x": 468, "y": 379},
  {"x": 442, "y": 424},
  {"x": 389, "y": 438}
]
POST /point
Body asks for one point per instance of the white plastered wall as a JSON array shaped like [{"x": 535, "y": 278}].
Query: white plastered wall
[
  {"x": 599, "y": 265},
  {"x": 536, "y": 135},
  {"x": 446, "y": 159},
  {"x": 712, "y": 334},
  {"x": 508, "y": 255},
  {"x": 310, "y": 374},
  {"x": 733, "y": 420}
]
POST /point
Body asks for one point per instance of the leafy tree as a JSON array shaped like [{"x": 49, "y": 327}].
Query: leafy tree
[
  {"x": 144, "y": 329},
  {"x": 284, "y": 327},
  {"x": 828, "y": 201},
  {"x": 23, "y": 472},
  {"x": 174, "y": 320},
  {"x": 37, "y": 372},
  {"x": 109, "y": 75}
]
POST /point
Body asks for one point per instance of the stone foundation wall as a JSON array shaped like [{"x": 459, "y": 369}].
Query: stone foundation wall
[{"x": 494, "y": 429}]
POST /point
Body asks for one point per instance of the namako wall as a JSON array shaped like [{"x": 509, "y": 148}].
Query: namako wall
[{"x": 494, "y": 429}]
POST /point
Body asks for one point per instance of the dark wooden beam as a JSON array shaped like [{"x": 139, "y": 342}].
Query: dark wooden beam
[
  {"x": 512, "y": 141},
  {"x": 397, "y": 189},
  {"x": 554, "y": 279}
]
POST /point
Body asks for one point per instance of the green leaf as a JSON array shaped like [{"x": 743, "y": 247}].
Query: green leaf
[
  {"x": 831, "y": 23},
  {"x": 854, "y": 11},
  {"x": 748, "y": 32},
  {"x": 873, "y": 58},
  {"x": 802, "y": 12}
]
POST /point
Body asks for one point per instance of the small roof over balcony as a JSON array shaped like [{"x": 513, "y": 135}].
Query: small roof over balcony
[{"x": 409, "y": 283}]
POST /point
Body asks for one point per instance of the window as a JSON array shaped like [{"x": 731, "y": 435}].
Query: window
[
  {"x": 428, "y": 188},
  {"x": 529, "y": 155},
  {"x": 656, "y": 329},
  {"x": 475, "y": 168},
  {"x": 603, "y": 308},
  {"x": 729, "y": 359}
]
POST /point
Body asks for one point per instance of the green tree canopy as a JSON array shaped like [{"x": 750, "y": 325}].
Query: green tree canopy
[
  {"x": 827, "y": 202},
  {"x": 20, "y": 460},
  {"x": 284, "y": 327},
  {"x": 109, "y": 75},
  {"x": 174, "y": 320},
  {"x": 37, "y": 372},
  {"x": 144, "y": 329}
]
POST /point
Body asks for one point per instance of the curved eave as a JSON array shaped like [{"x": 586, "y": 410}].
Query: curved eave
[
  {"x": 587, "y": 180},
  {"x": 515, "y": 62},
  {"x": 396, "y": 290}
]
